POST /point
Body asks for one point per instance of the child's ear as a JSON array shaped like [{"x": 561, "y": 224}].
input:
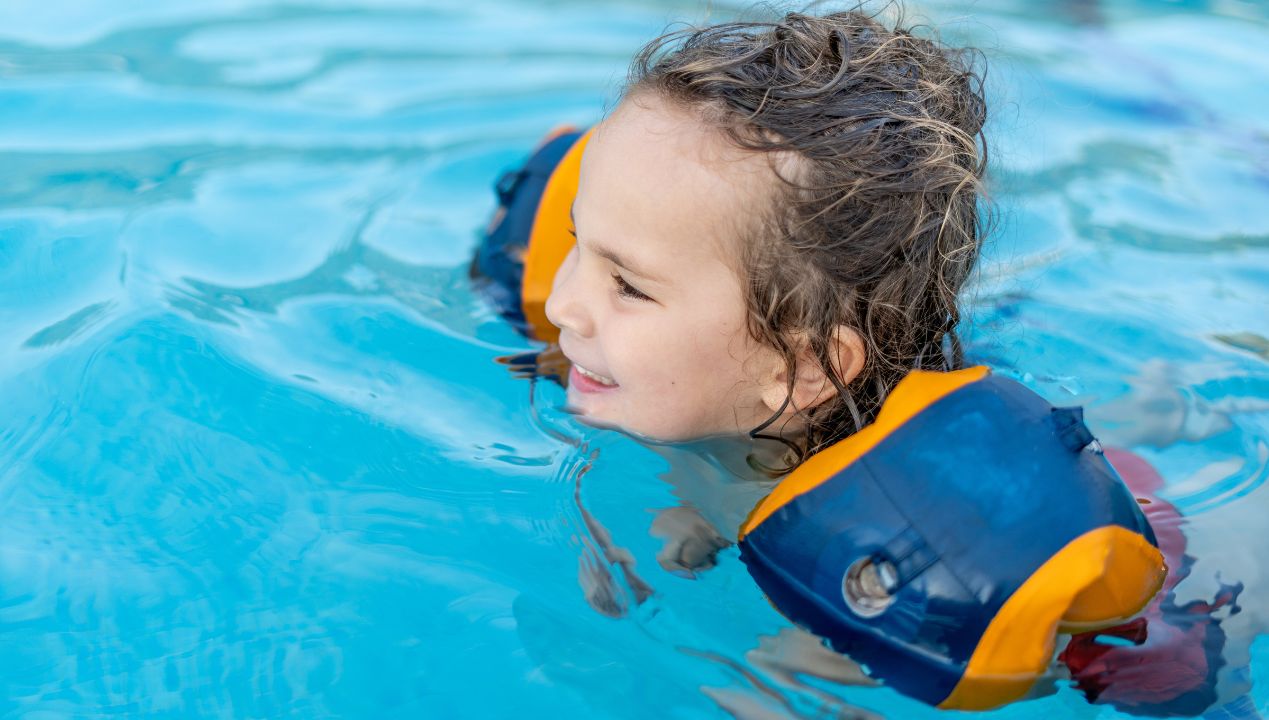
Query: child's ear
[{"x": 811, "y": 386}]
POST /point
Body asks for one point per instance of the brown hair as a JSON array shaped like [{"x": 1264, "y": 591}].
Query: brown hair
[{"x": 875, "y": 223}]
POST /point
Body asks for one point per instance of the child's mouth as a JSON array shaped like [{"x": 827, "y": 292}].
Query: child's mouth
[{"x": 588, "y": 381}]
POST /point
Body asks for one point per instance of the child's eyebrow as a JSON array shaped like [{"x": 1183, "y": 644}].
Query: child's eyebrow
[{"x": 613, "y": 257}]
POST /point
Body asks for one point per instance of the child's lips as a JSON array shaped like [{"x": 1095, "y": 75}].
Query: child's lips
[{"x": 588, "y": 381}]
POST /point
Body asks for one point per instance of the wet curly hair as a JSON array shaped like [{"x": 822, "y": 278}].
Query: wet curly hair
[{"x": 876, "y": 138}]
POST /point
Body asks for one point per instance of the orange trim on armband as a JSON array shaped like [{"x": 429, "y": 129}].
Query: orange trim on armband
[
  {"x": 1099, "y": 579},
  {"x": 914, "y": 393},
  {"x": 550, "y": 241}
]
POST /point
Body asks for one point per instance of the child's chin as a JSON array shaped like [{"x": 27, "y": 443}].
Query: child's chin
[
  {"x": 589, "y": 411},
  {"x": 604, "y": 423},
  {"x": 595, "y": 417}
]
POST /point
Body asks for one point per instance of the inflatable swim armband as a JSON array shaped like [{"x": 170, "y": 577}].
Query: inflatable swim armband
[
  {"x": 947, "y": 544},
  {"x": 529, "y": 236}
]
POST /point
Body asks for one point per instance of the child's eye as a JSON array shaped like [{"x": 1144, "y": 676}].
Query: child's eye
[{"x": 626, "y": 290}]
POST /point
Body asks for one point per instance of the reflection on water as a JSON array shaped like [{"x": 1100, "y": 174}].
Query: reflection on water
[{"x": 258, "y": 456}]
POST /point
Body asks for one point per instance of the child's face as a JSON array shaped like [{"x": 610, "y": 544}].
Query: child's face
[{"x": 650, "y": 303}]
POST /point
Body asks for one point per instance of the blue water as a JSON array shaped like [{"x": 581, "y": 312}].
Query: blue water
[{"x": 257, "y": 458}]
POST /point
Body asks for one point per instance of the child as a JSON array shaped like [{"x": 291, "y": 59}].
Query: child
[
  {"x": 772, "y": 228},
  {"x": 771, "y": 231}
]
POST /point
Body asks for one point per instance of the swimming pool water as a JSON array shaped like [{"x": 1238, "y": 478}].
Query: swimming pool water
[{"x": 257, "y": 457}]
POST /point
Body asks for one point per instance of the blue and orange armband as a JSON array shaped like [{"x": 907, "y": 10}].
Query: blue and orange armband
[
  {"x": 947, "y": 544},
  {"x": 529, "y": 236}
]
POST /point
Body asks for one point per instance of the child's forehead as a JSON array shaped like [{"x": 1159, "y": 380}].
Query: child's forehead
[
  {"x": 657, "y": 164},
  {"x": 689, "y": 134}
]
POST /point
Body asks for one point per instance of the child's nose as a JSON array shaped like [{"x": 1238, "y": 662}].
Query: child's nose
[{"x": 564, "y": 306}]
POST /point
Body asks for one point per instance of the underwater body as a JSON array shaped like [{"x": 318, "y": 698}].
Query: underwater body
[{"x": 258, "y": 454}]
